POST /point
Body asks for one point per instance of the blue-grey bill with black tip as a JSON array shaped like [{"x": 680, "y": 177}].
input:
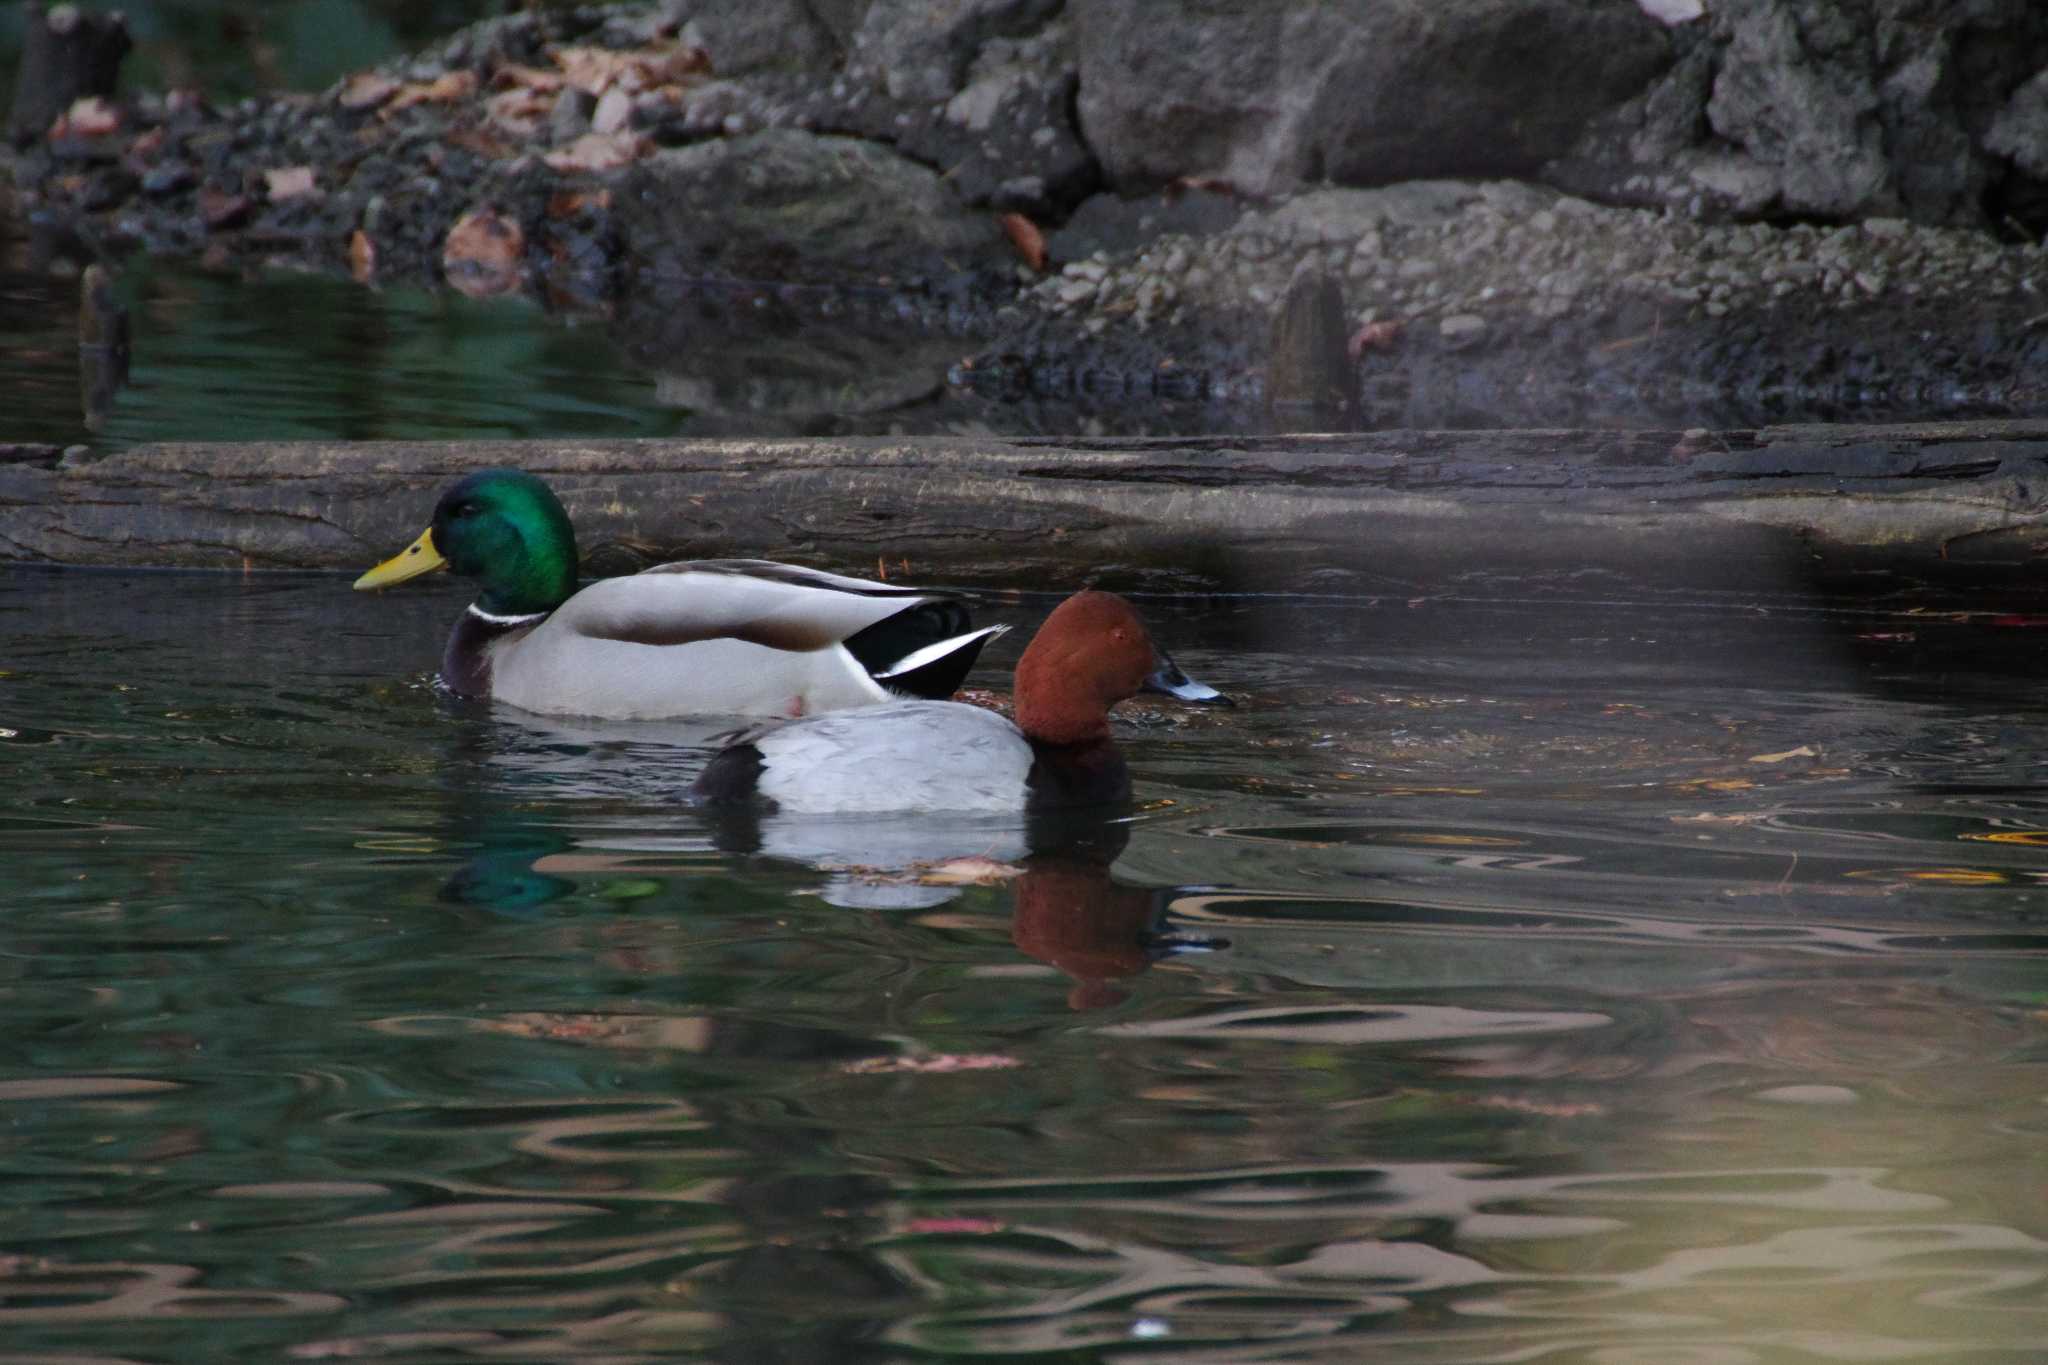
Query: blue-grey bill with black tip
[{"x": 1167, "y": 678}]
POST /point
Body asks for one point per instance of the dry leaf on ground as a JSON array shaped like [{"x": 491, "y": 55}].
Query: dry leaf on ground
[
  {"x": 598, "y": 69},
  {"x": 456, "y": 85},
  {"x": 571, "y": 203},
  {"x": 1373, "y": 336},
  {"x": 1025, "y": 237},
  {"x": 484, "y": 254},
  {"x": 362, "y": 257},
  {"x": 512, "y": 76},
  {"x": 88, "y": 117},
  {"x": 599, "y": 152},
  {"x": 366, "y": 90},
  {"x": 519, "y": 111}
]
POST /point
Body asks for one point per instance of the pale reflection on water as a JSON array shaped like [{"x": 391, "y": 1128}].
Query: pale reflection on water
[{"x": 1503, "y": 981}]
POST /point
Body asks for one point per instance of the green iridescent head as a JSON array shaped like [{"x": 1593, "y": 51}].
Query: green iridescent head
[{"x": 505, "y": 529}]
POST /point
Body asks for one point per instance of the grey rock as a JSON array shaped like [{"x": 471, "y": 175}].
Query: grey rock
[
  {"x": 1330, "y": 215},
  {"x": 2020, "y": 131},
  {"x": 570, "y": 118},
  {"x": 766, "y": 37},
  {"x": 1077, "y": 291},
  {"x": 1811, "y": 121},
  {"x": 1462, "y": 330},
  {"x": 1832, "y": 108},
  {"x": 1273, "y": 94},
  {"x": 983, "y": 89},
  {"x": 924, "y": 50},
  {"x": 789, "y": 205}
]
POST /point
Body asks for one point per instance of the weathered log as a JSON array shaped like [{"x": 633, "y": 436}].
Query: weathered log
[
  {"x": 65, "y": 53},
  {"x": 1345, "y": 512}
]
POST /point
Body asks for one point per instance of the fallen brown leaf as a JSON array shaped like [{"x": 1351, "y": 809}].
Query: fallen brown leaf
[
  {"x": 519, "y": 111},
  {"x": 456, "y": 85},
  {"x": 1373, "y": 336},
  {"x": 91, "y": 116},
  {"x": 482, "y": 141},
  {"x": 599, "y": 152},
  {"x": 513, "y": 76},
  {"x": 598, "y": 69},
  {"x": 484, "y": 254},
  {"x": 1025, "y": 237},
  {"x": 576, "y": 202},
  {"x": 144, "y": 149},
  {"x": 362, "y": 257},
  {"x": 366, "y": 90}
]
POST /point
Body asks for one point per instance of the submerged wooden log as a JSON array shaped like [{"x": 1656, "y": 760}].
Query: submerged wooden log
[{"x": 1375, "y": 511}]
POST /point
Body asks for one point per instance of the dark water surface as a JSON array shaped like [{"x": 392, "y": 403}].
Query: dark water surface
[{"x": 1503, "y": 981}]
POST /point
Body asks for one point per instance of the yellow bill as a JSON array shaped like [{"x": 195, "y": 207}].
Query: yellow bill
[{"x": 415, "y": 559}]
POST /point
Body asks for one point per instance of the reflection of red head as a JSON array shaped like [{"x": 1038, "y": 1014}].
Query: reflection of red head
[{"x": 1071, "y": 915}]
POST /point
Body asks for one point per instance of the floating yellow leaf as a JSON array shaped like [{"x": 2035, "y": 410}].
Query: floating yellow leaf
[
  {"x": 972, "y": 871},
  {"x": 1945, "y": 876}
]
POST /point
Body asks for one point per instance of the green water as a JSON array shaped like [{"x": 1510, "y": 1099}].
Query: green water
[
  {"x": 286, "y": 355},
  {"x": 229, "y": 50},
  {"x": 1498, "y": 982}
]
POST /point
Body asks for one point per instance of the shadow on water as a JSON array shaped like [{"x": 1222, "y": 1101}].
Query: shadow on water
[{"x": 1592, "y": 980}]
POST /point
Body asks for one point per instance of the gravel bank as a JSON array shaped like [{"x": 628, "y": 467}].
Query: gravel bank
[{"x": 1546, "y": 309}]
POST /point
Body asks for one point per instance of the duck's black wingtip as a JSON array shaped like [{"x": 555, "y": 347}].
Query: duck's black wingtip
[{"x": 937, "y": 671}]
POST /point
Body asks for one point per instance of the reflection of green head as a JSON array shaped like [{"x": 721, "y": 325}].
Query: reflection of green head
[
  {"x": 508, "y": 531},
  {"x": 501, "y": 877}
]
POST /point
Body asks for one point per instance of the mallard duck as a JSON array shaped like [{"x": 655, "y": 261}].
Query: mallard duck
[
  {"x": 1091, "y": 653},
  {"x": 703, "y": 637}
]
